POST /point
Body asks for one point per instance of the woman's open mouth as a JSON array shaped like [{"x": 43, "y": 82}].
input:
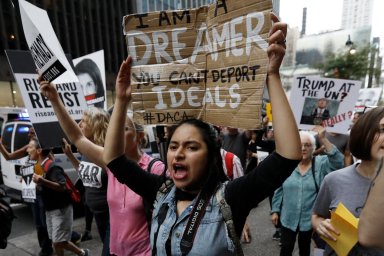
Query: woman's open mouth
[{"x": 180, "y": 171}]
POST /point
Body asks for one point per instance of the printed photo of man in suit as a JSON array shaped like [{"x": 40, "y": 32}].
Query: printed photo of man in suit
[{"x": 321, "y": 111}]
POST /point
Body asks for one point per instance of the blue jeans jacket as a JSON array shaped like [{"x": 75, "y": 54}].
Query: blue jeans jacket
[{"x": 211, "y": 237}]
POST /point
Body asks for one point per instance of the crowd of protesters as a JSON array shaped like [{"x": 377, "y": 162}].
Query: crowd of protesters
[{"x": 215, "y": 175}]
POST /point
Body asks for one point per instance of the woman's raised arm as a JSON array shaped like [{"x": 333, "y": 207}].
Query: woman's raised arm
[
  {"x": 287, "y": 137},
  {"x": 114, "y": 143},
  {"x": 69, "y": 126}
]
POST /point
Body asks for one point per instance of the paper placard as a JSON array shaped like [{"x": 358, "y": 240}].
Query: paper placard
[{"x": 324, "y": 101}]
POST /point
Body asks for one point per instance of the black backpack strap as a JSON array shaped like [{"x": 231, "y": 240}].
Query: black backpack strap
[
  {"x": 47, "y": 165},
  {"x": 152, "y": 162},
  {"x": 313, "y": 173},
  {"x": 148, "y": 207},
  {"x": 149, "y": 167},
  {"x": 226, "y": 211}
]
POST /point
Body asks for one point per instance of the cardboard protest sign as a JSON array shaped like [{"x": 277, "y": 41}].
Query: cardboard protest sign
[
  {"x": 90, "y": 70},
  {"x": 28, "y": 187},
  {"x": 40, "y": 110},
  {"x": 368, "y": 97},
  {"x": 323, "y": 101},
  {"x": 208, "y": 63}
]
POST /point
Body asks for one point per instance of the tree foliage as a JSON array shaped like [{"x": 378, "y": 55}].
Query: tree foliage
[{"x": 346, "y": 65}]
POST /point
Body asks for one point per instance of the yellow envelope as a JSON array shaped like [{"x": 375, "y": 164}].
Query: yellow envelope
[
  {"x": 344, "y": 222},
  {"x": 343, "y": 212}
]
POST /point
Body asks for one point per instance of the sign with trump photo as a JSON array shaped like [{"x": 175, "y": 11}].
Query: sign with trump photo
[
  {"x": 208, "y": 63},
  {"x": 323, "y": 101}
]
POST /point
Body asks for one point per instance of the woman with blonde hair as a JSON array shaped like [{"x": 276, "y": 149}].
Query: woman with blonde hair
[{"x": 93, "y": 126}]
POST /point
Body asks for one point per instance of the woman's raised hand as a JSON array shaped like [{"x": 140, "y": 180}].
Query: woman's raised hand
[
  {"x": 276, "y": 41},
  {"x": 123, "y": 81},
  {"x": 48, "y": 89},
  {"x": 66, "y": 147},
  {"x": 320, "y": 130}
]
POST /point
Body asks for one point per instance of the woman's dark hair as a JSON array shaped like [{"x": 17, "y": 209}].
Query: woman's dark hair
[
  {"x": 215, "y": 171},
  {"x": 88, "y": 66},
  {"x": 365, "y": 132}
]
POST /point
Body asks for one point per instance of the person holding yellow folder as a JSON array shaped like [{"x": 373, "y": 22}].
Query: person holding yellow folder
[{"x": 350, "y": 185}]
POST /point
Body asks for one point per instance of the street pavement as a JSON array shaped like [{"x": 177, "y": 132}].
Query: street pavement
[
  {"x": 259, "y": 221},
  {"x": 27, "y": 244}
]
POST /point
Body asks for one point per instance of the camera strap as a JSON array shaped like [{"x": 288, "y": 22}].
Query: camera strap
[{"x": 193, "y": 224}]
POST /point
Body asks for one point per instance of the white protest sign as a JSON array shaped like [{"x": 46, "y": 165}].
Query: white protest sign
[
  {"x": 208, "y": 63},
  {"x": 51, "y": 62},
  {"x": 28, "y": 187},
  {"x": 40, "y": 110},
  {"x": 368, "y": 97},
  {"x": 45, "y": 48},
  {"x": 325, "y": 101},
  {"x": 90, "y": 69},
  {"x": 90, "y": 174}
]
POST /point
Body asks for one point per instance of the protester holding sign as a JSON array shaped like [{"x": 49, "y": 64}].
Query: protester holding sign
[
  {"x": 128, "y": 224},
  {"x": 198, "y": 180},
  {"x": 351, "y": 185},
  {"x": 94, "y": 177},
  {"x": 38, "y": 210},
  {"x": 293, "y": 201},
  {"x": 58, "y": 207}
]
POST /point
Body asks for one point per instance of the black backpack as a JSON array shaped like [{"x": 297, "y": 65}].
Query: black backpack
[{"x": 6, "y": 218}]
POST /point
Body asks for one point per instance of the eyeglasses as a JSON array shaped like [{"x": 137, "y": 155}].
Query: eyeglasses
[{"x": 306, "y": 145}]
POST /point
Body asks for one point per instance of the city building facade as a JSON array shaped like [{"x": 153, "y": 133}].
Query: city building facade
[{"x": 357, "y": 13}]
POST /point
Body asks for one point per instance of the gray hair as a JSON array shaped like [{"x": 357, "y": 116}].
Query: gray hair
[{"x": 311, "y": 138}]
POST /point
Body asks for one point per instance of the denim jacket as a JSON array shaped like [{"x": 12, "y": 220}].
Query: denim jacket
[{"x": 211, "y": 236}]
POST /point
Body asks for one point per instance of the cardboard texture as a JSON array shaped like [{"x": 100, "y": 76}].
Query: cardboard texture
[{"x": 208, "y": 63}]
